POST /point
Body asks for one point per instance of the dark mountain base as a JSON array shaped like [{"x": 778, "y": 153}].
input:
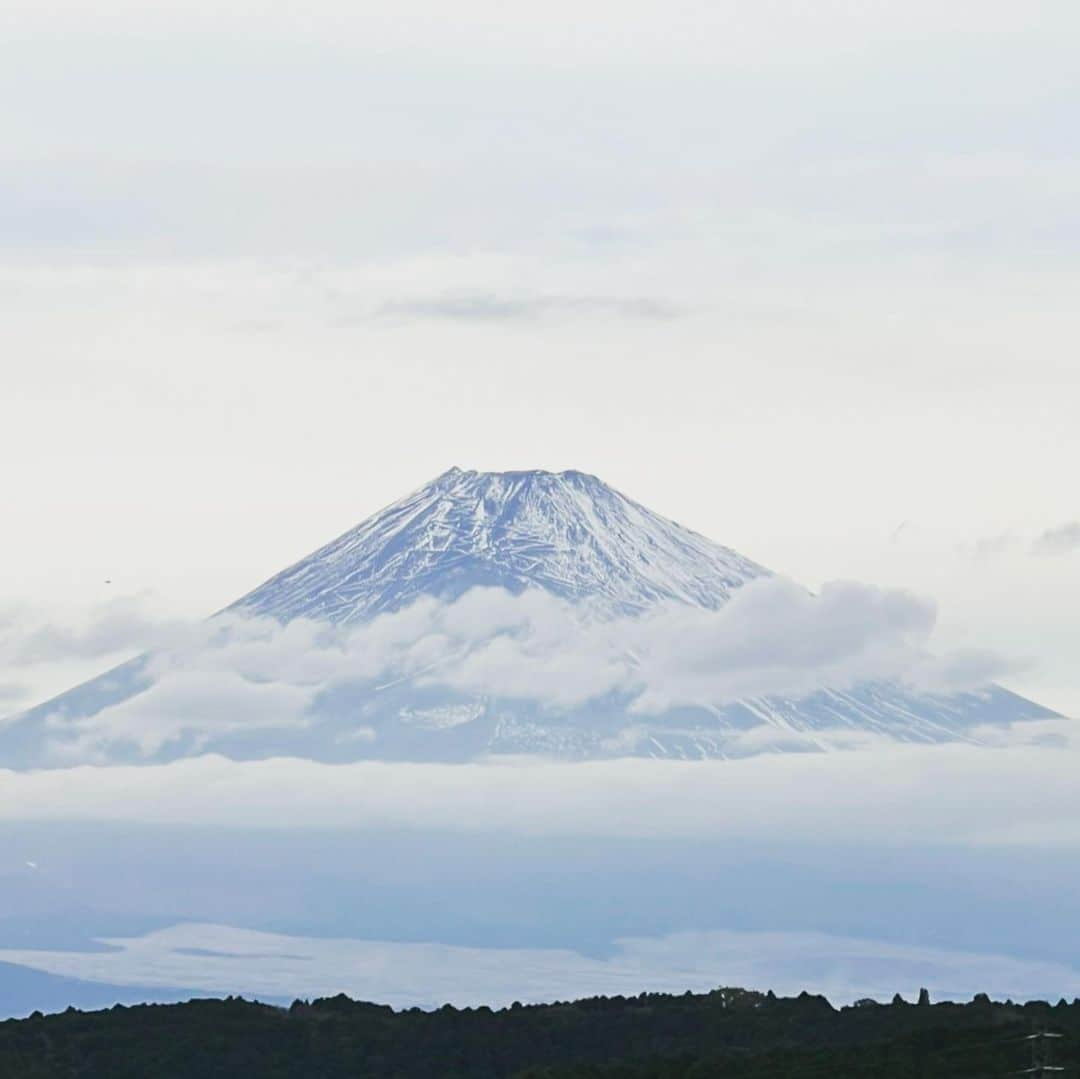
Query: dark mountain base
[{"x": 728, "y": 1032}]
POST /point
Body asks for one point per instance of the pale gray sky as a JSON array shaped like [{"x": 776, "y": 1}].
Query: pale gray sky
[{"x": 801, "y": 276}]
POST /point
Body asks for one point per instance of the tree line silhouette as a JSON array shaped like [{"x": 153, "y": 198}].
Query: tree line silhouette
[{"x": 728, "y": 1032}]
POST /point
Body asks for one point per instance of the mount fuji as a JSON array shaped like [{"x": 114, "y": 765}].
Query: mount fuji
[
  {"x": 565, "y": 536},
  {"x": 567, "y": 533}
]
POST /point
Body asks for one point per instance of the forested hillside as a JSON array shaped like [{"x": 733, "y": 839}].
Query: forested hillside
[{"x": 728, "y": 1032}]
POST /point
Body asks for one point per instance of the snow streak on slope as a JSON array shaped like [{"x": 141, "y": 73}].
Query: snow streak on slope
[{"x": 566, "y": 532}]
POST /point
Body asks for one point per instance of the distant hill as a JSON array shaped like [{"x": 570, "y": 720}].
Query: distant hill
[
  {"x": 729, "y": 1032},
  {"x": 23, "y": 991}
]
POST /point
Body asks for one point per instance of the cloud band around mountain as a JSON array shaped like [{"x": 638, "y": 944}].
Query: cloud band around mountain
[{"x": 771, "y": 639}]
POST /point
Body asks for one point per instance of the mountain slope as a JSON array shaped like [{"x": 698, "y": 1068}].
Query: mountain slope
[{"x": 565, "y": 535}]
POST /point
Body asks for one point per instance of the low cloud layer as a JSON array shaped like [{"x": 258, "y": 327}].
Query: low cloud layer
[
  {"x": 1022, "y": 793},
  {"x": 361, "y": 838},
  {"x": 224, "y": 959},
  {"x": 772, "y": 639}
]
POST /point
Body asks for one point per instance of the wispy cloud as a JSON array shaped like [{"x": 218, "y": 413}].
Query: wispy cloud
[
  {"x": 988, "y": 547},
  {"x": 492, "y": 307},
  {"x": 1060, "y": 540},
  {"x": 1064, "y": 539},
  {"x": 29, "y": 636}
]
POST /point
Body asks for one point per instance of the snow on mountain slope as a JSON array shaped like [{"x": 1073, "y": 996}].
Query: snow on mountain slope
[{"x": 567, "y": 533}]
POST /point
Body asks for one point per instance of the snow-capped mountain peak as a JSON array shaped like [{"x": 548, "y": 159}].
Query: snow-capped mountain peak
[
  {"x": 568, "y": 533},
  {"x": 564, "y": 533}
]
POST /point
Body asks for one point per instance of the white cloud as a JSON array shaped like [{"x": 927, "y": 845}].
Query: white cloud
[
  {"x": 771, "y": 639},
  {"x": 125, "y": 623},
  {"x": 1021, "y": 794},
  {"x": 1061, "y": 540},
  {"x": 485, "y": 307},
  {"x": 963, "y": 669},
  {"x": 198, "y": 706},
  {"x": 775, "y": 639},
  {"x": 224, "y": 959}
]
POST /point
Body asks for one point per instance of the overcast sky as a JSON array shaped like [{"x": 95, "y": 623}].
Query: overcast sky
[{"x": 801, "y": 276}]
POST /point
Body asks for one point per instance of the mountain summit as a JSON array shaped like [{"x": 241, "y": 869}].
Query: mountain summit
[
  {"x": 383, "y": 644},
  {"x": 567, "y": 533}
]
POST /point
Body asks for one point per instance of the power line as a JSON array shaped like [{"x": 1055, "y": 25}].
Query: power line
[{"x": 1042, "y": 1045}]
